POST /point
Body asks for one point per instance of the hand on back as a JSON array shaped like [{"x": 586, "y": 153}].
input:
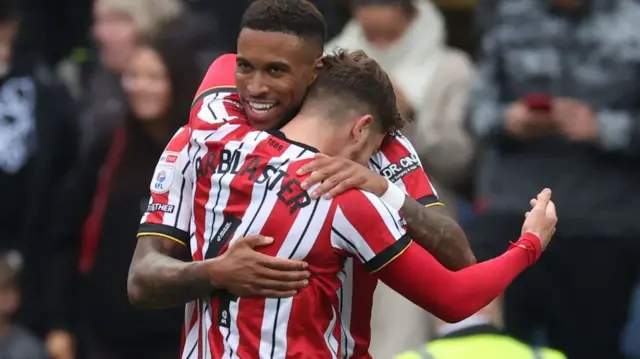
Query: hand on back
[
  {"x": 338, "y": 174},
  {"x": 244, "y": 272}
]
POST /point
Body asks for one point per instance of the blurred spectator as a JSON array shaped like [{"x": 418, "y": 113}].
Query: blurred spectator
[
  {"x": 118, "y": 25},
  {"x": 556, "y": 105},
  {"x": 37, "y": 147},
  {"x": 104, "y": 201},
  {"x": 15, "y": 342},
  {"x": 407, "y": 37},
  {"x": 478, "y": 336}
]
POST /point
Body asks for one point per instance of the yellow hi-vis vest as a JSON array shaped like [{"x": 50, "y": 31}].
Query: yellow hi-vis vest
[{"x": 480, "y": 346}]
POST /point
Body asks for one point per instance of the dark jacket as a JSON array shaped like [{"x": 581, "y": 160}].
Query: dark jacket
[
  {"x": 591, "y": 56},
  {"x": 118, "y": 172},
  {"x": 38, "y": 128}
]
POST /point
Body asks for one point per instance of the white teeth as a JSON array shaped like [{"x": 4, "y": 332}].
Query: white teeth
[{"x": 261, "y": 107}]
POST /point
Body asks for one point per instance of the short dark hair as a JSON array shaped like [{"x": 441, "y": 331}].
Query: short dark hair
[
  {"x": 294, "y": 17},
  {"x": 354, "y": 81}
]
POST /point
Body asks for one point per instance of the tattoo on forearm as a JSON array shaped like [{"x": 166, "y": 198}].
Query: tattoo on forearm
[
  {"x": 433, "y": 229},
  {"x": 160, "y": 279}
]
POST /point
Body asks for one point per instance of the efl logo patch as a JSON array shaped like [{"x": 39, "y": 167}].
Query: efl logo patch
[
  {"x": 395, "y": 171},
  {"x": 162, "y": 178}
]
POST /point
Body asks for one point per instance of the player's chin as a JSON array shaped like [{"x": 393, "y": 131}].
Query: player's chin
[{"x": 265, "y": 119}]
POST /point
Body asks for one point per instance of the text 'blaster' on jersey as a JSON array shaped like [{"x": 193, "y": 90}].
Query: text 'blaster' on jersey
[{"x": 228, "y": 161}]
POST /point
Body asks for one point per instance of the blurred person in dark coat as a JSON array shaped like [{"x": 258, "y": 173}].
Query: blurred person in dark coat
[
  {"x": 37, "y": 148},
  {"x": 104, "y": 201},
  {"x": 556, "y": 104}
]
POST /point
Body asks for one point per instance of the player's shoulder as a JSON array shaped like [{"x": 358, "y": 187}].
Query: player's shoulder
[
  {"x": 355, "y": 199},
  {"x": 396, "y": 158},
  {"x": 397, "y": 143},
  {"x": 219, "y": 77},
  {"x": 179, "y": 140}
]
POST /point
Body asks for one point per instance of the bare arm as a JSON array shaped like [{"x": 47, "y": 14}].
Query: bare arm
[
  {"x": 434, "y": 230},
  {"x": 159, "y": 279}
]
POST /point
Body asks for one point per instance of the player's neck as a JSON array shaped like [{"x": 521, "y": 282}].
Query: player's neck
[{"x": 312, "y": 131}]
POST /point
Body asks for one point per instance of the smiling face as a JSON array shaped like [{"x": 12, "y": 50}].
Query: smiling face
[
  {"x": 273, "y": 73},
  {"x": 148, "y": 86}
]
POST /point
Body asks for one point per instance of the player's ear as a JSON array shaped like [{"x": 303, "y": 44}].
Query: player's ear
[
  {"x": 361, "y": 126},
  {"x": 317, "y": 66}
]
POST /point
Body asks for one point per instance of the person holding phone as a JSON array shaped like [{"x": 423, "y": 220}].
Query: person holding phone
[
  {"x": 531, "y": 116},
  {"x": 555, "y": 104}
]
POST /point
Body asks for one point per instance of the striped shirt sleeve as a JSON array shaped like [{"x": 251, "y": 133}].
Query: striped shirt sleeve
[
  {"x": 365, "y": 227},
  {"x": 216, "y": 101},
  {"x": 169, "y": 212},
  {"x": 398, "y": 161}
]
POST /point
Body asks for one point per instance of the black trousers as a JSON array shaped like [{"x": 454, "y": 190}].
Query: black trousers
[{"x": 578, "y": 294}]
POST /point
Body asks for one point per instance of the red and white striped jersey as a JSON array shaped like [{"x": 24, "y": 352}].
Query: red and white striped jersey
[
  {"x": 245, "y": 185},
  {"x": 216, "y": 104}
]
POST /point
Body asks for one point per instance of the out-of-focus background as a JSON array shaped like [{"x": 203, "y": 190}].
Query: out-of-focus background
[{"x": 506, "y": 97}]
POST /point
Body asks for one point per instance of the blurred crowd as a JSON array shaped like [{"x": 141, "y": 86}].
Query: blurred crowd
[{"x": 506, "y": 97}]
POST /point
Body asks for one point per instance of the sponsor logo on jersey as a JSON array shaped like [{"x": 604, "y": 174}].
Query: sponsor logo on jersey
[
  {"x": 169, "y": 157},
  {"x": 160, "y": 207},
  {"x": 395, "y": 171}
]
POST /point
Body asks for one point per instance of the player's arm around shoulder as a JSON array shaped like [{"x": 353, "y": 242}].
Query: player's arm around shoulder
[
  {"x": 428, "y": 223},
  {"x": 161, "y": 274},
  {"x": 437, "y": 232}
]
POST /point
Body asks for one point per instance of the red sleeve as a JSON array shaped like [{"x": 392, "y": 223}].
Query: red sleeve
[
  {"x": 220, "y": 75},
  {"x": 453, "y": 296},
  {"x": 216, "y": 101},
  {"x": 398, "y": 161}
]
